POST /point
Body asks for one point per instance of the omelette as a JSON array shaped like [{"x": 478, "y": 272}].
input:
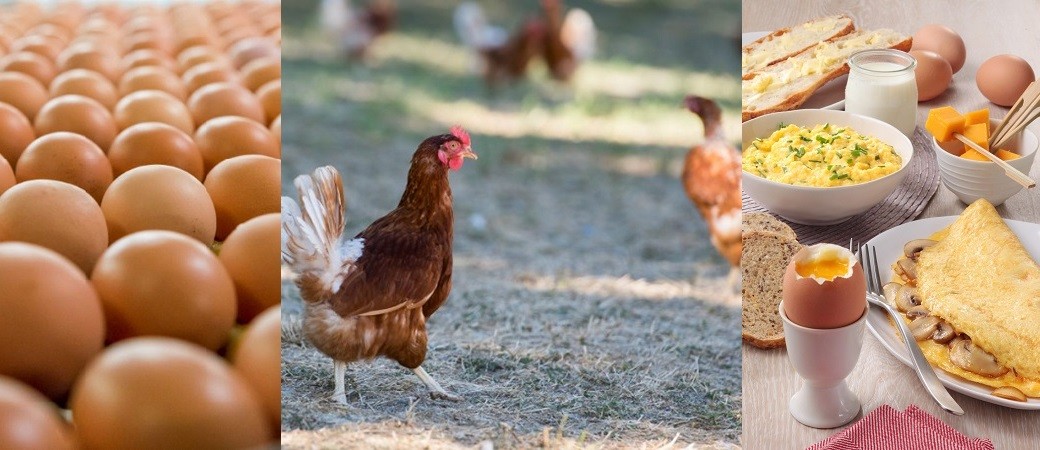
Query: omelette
[{"x": 982, "y": 281}]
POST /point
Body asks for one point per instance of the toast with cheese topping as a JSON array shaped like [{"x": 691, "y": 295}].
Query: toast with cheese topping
[{"x": 786, "y": 42}]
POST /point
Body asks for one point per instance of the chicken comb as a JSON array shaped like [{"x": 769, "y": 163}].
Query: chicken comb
[{"x": 461, "y": 134}]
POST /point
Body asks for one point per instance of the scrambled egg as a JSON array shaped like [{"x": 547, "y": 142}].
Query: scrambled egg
[{"x": 824, "y": 156}]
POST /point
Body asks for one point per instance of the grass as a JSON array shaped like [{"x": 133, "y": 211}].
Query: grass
[{"x": 589, "y": 309}]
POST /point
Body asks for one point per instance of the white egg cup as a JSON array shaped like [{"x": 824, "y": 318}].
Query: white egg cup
[{"x": 824, "y": 358}]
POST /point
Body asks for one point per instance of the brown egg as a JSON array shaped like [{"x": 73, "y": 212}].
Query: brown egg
[
  {"x": 251, "y": 256},
  {"x": 250, "y": 49},
  {"x": 195, "y": 39},
  {"x": 59, "y": 34},
  {"x": 276, "y": 131},
  {"x": 32, "y": 64},
  {"x": 23, "y": 92},
  {"x": 258, "y": 360},
  {"x": 261, "y": 71},
  {"x": 86, "y": 83},
  {"x": 163, "y": 283},
  {"x": 16, "y": 132},
  {"x": 91, "y": 57},
  {"x": 207, "y": 73},
  {"x": 943, "y": 41},
  {"x": 7, "y": 179},
  {"x": 229, "y": 136},
  {"x": 48, "y": 47},
  {"x": 176, "y": 201},
  {"x": 67, "y": 157},
  {"x": 824, "y": 287},
  {"x": 51, "y": 323},
  {"x": 1003, "y": 78},
  {"x": 270, "y": 96},
  {"x": 148, "y": 40},
  {"x": 193, "y": 56},
  {"x": 28, "y": 420},
  {"x": 56, "y": 215},
  {"x": 155, "y": 143},
  {"x": 146, "y": 58},
  {"x": 152, "y": 78},
  {"x": 933, "y": 74},
  {"x": 242, "y": 188},
  {"x": 153, "y": 106},
  {"x": 224, "y": 99},
  {"x": 77, "y": 114},
  {"x": 162, "y": 393}
]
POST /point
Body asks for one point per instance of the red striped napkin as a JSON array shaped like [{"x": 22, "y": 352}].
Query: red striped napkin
[{"x": 887, "y": 429}]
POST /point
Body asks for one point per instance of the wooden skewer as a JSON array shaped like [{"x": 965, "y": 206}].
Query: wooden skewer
[
  {"x": 1011, "y": 172},
  {"x": 1012, "y": 130},
  {"x": 1026, "y": 103}
]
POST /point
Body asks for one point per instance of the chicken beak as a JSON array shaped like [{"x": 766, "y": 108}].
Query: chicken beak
[{"x": 468, "y": 153}]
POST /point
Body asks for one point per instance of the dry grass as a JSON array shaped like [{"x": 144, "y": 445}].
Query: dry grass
[{"x": 589, "y": 309}]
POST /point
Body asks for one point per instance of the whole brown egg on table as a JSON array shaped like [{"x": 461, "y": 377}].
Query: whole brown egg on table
[{"x": 139, "y": 225}]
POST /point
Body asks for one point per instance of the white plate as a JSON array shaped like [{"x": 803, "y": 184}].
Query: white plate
[
  {"x": 828, "y": 96},
  {"x": 889, "y": 246}
]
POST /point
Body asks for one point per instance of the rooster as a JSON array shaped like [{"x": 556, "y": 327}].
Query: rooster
[
  {"x": 501, "y": 57},
  {"x": 353, "y": 31},
  {"x": 711, "y": 176},
  {"x": 371, "y": 295},
  {"x": 569, "y": 40}
]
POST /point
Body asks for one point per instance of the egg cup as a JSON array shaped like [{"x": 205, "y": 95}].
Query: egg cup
[{"x": 824, "y": 358}]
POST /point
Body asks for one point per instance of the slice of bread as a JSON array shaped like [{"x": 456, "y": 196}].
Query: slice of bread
[
  {"x": 762, "y": 267},
  {"x": 765, "y": 222},
  {"x": 786, "y": 42},
  {"x": 786, "y": 85}
]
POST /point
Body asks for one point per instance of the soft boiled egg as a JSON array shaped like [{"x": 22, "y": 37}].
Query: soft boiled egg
[{"x": 824, "y": 287}]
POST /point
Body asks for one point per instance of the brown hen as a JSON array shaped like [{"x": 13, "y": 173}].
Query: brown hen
[{"x": 370, "y": 296}]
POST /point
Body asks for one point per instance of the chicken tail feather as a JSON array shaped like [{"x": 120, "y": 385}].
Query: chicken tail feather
[{"x": 313, "y": 244}]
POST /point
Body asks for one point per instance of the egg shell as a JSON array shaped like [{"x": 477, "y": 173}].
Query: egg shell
[
  {"x": 67, "y": 157},
  {"x": 7, "y": 179},
  {"x": 46, "y": 46},
  {"x": 195, "y": 55},
  {"x": 51, "y": 324},
  {"x": 242, "y": 188},
  {"x": 23, "y": 92},
  {"x": 146, "y": 58},
  {"x": 31, "y": 64},
  {"x": 257, "y": 358},
  {"x": 1003, "y": 78},
  {"x": 270, "y": 96},
  {"x": 251, "y": 256},
  {"x": 55, "y": 215},
  {"x": 224, "y": 99},
  {"x": 16, "y": 133},
  {"x": 77, "y": 114},
  {"x": 830, "y": 304},
  {"x": 276, "y": 130},
  {"x": 163, "y": 283},
  {"x": 933, "y": 74},
  {"x": 162, "y": 393},
  {"x": 208, "y": 73},
  {"x": 153, "y": 106},
  {"x": 28, "y": 421},
  {"x": 250, "y": 49},
  {"x": 177, "y": 201},
  {"x": 943, "y": 41},
  {"x": 230, "y": 136},
  {"x": 91, "y": 57},
  {"x": 86, "y": 83},
  {"x": 261, "y": 71},
  {"x": 152, "y": 78},
  {"x": 155, "y": 143}
]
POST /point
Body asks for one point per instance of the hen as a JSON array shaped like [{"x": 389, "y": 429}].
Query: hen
[
  {"x": 371, "y": 295},
  {"x": 502, "y": 58},
  {"x": 711, "y": 176},
  {"x": 352, "y": 31},
  {"x": 569, "y": 40}
]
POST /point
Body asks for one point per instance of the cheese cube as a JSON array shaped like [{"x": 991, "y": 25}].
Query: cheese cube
[
  {"x": 972, "y": 154},
  {"x": 978, "y": 116},
  {"x": 978, "y": 133},
  {"x": 943, "y": 122},
  {"x": 1006, "y": 155}
]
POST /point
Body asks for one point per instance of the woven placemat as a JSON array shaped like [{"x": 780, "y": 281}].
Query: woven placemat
[{"x": 902, "y": 206}]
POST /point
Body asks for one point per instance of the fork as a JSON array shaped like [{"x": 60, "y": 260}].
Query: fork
[{"x": 925, "y": 372}]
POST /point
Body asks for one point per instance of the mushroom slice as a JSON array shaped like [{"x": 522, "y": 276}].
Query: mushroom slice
[
  {"x": 917, "y": 311},
  {"x": 891, "y": 290},
  {"x": 1009, "y": 393},
  {"x": 907, "y": 269},
  {"x": 944, "y": 333},
  {"x": 923, "y": 327},
  {"x": 914, "y": 247},
  {"x": 907, "y": 298},
  {"x": 968, "y": 356}
]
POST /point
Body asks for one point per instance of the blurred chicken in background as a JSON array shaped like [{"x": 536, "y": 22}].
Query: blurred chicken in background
[
  {"x": 353, "y": 30},
  {"x": 570, "y": 40}
]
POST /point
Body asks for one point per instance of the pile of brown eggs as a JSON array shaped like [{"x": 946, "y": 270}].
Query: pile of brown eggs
[{"x": 139, "y": 225}]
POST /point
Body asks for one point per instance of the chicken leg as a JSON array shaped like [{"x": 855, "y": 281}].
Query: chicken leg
[
  {"x": 340, "y": 392},
  {"x": 436, "y": 391}
]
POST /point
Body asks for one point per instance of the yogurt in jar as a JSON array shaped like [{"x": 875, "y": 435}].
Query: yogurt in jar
[{"x": 881, "y": 85}]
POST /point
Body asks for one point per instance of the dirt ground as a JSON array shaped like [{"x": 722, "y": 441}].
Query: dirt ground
[{"x": 589, "y": 308}]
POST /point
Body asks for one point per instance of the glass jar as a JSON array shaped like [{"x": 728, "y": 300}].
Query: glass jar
[{"x": 882, "y": 85}]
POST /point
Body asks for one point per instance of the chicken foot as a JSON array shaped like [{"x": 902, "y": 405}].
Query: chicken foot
[
  {"x": 340, "y": 392},
  {"x": 436, "y": 391}
]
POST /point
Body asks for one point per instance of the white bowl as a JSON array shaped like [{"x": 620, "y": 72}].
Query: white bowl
[
  {"x": 971, "y": 180},
  {"x": 824, "y": 205}
]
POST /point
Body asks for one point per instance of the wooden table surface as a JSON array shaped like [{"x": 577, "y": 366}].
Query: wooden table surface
[{"x": 988, "y": 29}]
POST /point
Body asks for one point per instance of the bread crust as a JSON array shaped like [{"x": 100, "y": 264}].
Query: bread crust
[{"x": 751, "y": 47}]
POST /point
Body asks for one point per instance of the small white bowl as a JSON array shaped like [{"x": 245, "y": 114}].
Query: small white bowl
[
  {"x": 824, "y": 205},
  {"x": 971, "y": 180}
]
